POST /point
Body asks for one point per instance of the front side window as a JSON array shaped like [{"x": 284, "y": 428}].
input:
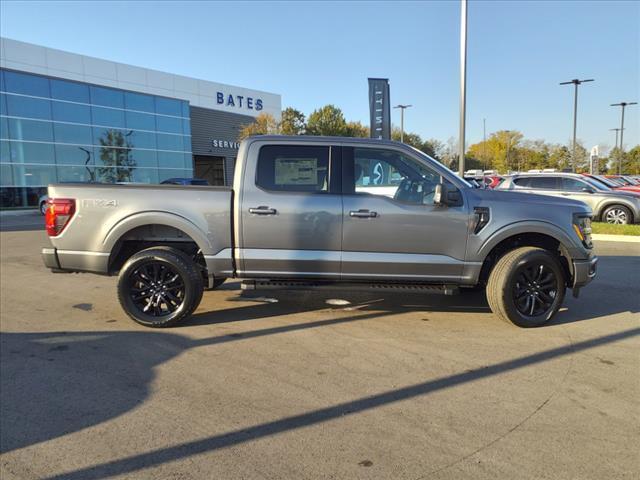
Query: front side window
[
  {"x": 394, "y": 175},
  {"x": 573, "y": 185},
  {"x": 292, "y": 168}
]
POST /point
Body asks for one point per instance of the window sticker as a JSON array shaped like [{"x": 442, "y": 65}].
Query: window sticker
[{"x": 296, "y": 171}]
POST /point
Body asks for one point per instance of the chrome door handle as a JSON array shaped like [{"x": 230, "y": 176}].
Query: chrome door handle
[
  {"x": 363, "y": 214},
  {"x": 262, "y": 210}
]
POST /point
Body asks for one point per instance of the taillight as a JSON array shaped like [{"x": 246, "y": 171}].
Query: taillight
[{"x": 59, "y": 212}]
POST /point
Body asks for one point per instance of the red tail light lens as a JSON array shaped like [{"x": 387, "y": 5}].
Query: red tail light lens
[{"x": 59, "y": 212}]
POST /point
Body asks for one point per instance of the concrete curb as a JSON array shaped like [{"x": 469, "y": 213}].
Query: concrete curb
[{"x": 616, "y": 238}]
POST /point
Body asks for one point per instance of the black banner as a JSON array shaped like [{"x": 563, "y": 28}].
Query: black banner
[{"x": 379, "y": 108}]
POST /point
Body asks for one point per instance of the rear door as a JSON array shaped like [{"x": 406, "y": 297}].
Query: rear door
[
  {"x": 392, "y": 229},
  {"x": 291, "y": 212}
]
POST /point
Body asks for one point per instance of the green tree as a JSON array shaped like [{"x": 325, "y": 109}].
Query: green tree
[
  {"x": 327, "y": 121},
  {"x": 115, "y": 154},
  {"x": 434, "y": 148},
  {"x": 264, "y": 124},
  {"x": 631, "y": 161},
  {"x": 410, "y": 138},
  {"x": 356, "y": 129},
  {"x": 293, "y": 122},
  {"x": 499, "y": 151}
]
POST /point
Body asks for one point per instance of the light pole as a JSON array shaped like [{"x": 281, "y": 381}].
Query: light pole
[
  {"x": 621, "y": 151},
  {"x": 463, "y": 83},
  {"x": 402, "y": 108},
  {"x": 484, "y": 144},
  {"x": 575, "y": 83},
  {"x": 616, "y": 130}
]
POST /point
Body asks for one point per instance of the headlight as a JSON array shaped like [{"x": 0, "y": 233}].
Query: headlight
[{"x": 582, "y": 228}]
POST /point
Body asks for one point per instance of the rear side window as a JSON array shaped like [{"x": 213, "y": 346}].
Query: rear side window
[
  {"x": 522, "y": 182},
  {"x": 293, "y": 168},
  {"x": 547, "y": 183}
]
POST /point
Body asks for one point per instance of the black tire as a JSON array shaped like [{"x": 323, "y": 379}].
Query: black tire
[
  {"x": 617, "y": 214},
  {"x": 216, "y": 283},
  {"x": 166, "y": 275},
  {"x": 526, "y": 287}
]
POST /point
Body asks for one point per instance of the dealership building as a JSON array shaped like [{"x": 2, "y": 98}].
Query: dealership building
[{"x": 71, "y": 118}]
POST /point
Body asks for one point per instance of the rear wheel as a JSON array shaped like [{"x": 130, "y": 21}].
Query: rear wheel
[
  {"x": 526, "y": 287},
  {"x": 159, "y": 287},
  {"x": 617, "y": 214}
]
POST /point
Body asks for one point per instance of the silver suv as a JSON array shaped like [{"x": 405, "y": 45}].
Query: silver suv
[{"x": 608, "y": 205}]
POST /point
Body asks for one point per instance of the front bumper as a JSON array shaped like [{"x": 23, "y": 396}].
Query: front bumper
[{"x": 584, "y": 271}]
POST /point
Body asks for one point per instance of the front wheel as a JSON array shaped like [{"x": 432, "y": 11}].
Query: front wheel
[
  {"x": 526, "y": 287},
  {"x": 617, "y": 214},
  {"x": 159, "y": 287}
]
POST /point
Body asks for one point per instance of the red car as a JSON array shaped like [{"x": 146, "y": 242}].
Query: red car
[
  {"x": 611, "y": 183},
  {"x": 492, "y": 181}
]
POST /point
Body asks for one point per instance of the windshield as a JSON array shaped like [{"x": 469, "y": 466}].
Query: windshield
[
  {"x": 597, "y": 184},
  {"x": 606, "y": 181},
  {"x": 424, "y": 155}
]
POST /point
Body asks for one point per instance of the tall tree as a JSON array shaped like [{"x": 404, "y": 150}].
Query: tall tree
[
  {"x": 293, "y": 122},
  {"x": 356, "y": 129},
  {"x": 115, "y": 154},
  {"x": 264, "y": 124},
  {"x": 327, "y": 121}
]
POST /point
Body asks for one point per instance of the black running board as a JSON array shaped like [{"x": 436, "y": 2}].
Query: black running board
[{"x": 316, "y": 285}]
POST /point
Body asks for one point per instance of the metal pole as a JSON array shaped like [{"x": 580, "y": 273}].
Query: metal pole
[
  {"x": 463, "y": 83},
  {"x": 575, "y": 122},
  {"x": 484, "y": 143},
  {"x": 402, "y": 108},
  {"x": 621, "y": 150},
  {"x": 575, "y": 83},
  {"x": 615, "y": 130}
]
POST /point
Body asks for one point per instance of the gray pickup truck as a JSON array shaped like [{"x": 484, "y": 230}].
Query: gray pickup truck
[{"x": 309, "y": 212}]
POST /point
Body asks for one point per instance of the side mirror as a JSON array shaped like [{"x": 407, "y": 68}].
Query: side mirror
[
  {"x": 588, "y": 190},
  {"x": 446, "y": 194}
]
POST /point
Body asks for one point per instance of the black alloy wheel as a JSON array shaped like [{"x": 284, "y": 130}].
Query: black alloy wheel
[
  {"x": 535, "y": 289},
  {"x": 160, "y": 286},
  {"x": 156, "y": 289}
]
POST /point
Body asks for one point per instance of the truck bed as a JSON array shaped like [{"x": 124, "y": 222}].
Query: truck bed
[{"x": 105, "y": 214}]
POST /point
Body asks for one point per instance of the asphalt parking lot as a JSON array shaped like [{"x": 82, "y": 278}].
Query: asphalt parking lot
[{"x": 297, "y": 385}]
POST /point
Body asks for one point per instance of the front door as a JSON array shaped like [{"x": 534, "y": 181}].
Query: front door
[
  {"x": 291, "y": 212},
  {"x": 392, "y": 230}
]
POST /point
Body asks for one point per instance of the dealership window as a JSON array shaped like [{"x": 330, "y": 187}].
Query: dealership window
[
  {"x": 35, "y": 130},
  {"x": 28, "y": 107},
  {"x": 53, "y": 130},
  {"x": 71, "y": 112},
  {"x": 70, "y": 91},
  {"x": 293, "y": 168}
]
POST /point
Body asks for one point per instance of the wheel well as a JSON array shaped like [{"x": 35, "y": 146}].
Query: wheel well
[
  {"x": 539, "y": 240},
  {"x": 154, "y": 235}
]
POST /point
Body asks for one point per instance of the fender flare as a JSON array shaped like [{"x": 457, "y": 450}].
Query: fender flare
[
  {"x": 117, "y": 231},
  {"x": 529, "y": 226}
]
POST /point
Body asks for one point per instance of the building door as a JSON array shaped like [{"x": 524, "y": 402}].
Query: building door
[{"x": 210, "y": 169}]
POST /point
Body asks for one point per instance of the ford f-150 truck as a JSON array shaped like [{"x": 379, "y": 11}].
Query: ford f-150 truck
[{"x": 310, "y": 212}]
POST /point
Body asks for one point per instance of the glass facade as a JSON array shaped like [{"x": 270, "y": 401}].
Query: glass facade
[{"x": 54, "y": 130}]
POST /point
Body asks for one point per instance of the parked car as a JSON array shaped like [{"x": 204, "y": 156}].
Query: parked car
[
  {"x": 614, "y": 184},
  {"x": 624, "y": 180},
  {"x": 184, "y": 181},
  {"x": 303, "y": 213},
  {"x": 492, "y": 181},
  {"x": 611, "y": 206},
  {"x": 42, "y": 204}
]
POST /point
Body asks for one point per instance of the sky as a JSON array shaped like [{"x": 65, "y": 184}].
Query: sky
[{"x": 316, "y": 53}]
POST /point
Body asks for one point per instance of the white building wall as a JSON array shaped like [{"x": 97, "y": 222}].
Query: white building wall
[{"x": 32, "y": 58}]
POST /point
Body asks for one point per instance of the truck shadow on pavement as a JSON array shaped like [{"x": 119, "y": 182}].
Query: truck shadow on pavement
[{"x": 55, "y": 384}]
